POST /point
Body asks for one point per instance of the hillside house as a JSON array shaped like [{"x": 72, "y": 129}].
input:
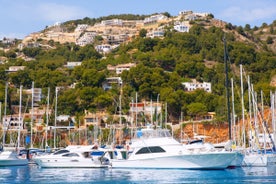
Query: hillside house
[
  {"x": 86, "y": 38},
  {"x": 15, "y": 68},
  {"x": 12, "y": 122},
  {"x": 182, "y": 26},
  {"x": 72, "y": 65},
  {"x": 81, "y": 27},
  {"x": 112, "y": 22},
  {"x": 191, "y": 86},
  {"x": 120, "y": 68},
  {"x": 37, "y": 94},
  {"x": 104, "y": 48},
  {"x": 156, "y": 33},
  {"x": 146, "y": 107},
  {"x": 94, "y": 119},
  {"x": 107, "y": 85},
  {"x": 154, "y": 19}
]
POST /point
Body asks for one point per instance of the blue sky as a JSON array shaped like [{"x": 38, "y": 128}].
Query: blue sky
[{"x": 19, "y": 18}]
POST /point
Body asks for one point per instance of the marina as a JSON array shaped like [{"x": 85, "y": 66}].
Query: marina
[{"x": 151, "y": 93}]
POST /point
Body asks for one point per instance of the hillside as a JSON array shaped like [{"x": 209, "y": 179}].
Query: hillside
[{"x": 165, "y": 51}]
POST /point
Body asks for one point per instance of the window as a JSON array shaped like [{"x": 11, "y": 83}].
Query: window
[
  {"x": 71, "y": 155},
  {"x": 60, "y": 152},
  {"x": 151, "y": 149}
]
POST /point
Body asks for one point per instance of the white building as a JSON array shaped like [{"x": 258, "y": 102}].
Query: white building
[
  {"x": 182, "y": 26},
  {"x": 37, "y": 95},
  {"x": 185, "y": 12},
  {"x": 120, "y": 68},
  {"x": 86, "y": 38},
  {"x": 154, "y": 18},
  {"x": 156, "y": 33},
  {"x": 191, "y": 86},
  {"x": 15, "y": 68},
  {"x": 112, "y": 22},
  {"x": 12, "y": 122},
  {"x": 81, "y": 27},
  {"x": 105, "y": 48},
  {"x": 111, "y": 81},
  {"x": 72, "y": 65}
]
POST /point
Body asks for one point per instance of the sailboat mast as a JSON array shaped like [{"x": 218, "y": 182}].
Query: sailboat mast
[
  {"x": 233, "y": 111},
  {"x": 2, "y": 122},
  {"x": 227, "y": 87},
  {"x": 32, "y": 116},
  {"x": 5, "y": 112},
  {"x": 47, "y": 118},
  {"x": 55, "y": 130},
  {"x": 20, "y": 118},
  {"x": 273, "y": 117},
  {"x": 1, "y": 114},
  {"x": 242, "y": 104}
]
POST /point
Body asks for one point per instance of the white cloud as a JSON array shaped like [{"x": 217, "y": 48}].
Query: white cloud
[
  {"x": 59, "y": 12},
  {"x": 246, "y": 12},
  {"x": 43, "y": 11}
]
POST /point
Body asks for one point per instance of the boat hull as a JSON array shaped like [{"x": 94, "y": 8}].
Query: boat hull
[
  {"x": 259, "y": 160},
  {"x": 13, "y": 162},
  {"x": 67, "y": 163},
  {"x": 189, "y": 161},
  {"x": 237, "y": 162},
  {"x": 8, "y": 158}
]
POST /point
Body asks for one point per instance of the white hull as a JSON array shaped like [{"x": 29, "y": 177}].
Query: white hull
[
  {"x": 14, "y": 162},
  {"x": 197, "y": 161},
  {"x": 259, "y": 160},
  {"x": 79, "y": 158},
  {"x": 67, "y": 163},
  {"x": 189, "y": 161},
  {"x": 237, "y": 162},
  {"x": 8, "y": 158},
  {"x": 271, "y": 160}
]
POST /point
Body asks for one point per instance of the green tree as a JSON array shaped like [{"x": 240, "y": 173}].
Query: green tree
[
  {"x": 196, "y": 109},
  {"x": 143, "y": 33},
  {"x": 269, "y": 40},
  {"x": 92, "y": 77}
]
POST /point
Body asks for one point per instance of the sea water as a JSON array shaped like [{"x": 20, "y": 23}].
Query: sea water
[{"x": 34, "y": 174}]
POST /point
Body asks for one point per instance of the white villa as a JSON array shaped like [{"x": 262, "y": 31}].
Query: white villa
[
  {"x": 120, "y": 68},
  {"x": 73, "y": 64},
  {"x": 191, "y": 86}
]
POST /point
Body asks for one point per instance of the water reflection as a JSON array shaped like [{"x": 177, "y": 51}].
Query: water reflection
[
  {"x": 34, "y": 174},
  {"x": 17, "y": 174}
]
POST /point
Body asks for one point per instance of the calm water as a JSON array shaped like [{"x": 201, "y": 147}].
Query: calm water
[{"x": 33, "y": 174}]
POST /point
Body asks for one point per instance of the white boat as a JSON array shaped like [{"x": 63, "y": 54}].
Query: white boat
[
  {"x": 71, "y": 157},
  {"x": 255, "y": 159},
  {"x": 11, "y": 158},
  {"x": 238, "y": 161},
  {"x": 156, "y": 148}
]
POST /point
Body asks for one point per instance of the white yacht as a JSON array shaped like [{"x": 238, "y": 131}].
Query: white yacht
[
  {"x": 11, "y": 158},
  {"x": 71, "y": 157},
  {"x": 156, "y": 148}
]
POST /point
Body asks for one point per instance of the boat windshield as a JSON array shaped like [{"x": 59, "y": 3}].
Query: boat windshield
[
  {"x": 152, "y": 133},
  {"x": 61, "y": 152}
]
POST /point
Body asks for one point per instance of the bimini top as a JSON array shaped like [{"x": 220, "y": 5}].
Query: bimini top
[{"x": 149, "y": 132}]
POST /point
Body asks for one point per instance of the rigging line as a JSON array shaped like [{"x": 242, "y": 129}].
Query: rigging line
[{"x": 264, "y": 123}]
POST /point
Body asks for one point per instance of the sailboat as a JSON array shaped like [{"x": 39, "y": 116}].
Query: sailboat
[
  {"x": 10, "y": 157},
  {"x": 255, "y": 154}
]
